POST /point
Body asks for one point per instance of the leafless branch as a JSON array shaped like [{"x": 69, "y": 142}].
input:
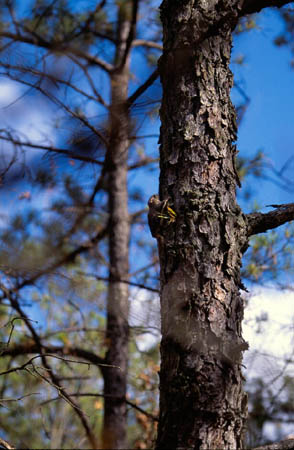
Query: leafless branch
[
  {"x": 11, "y": 323},
  {"x": 130, "y": 35},
  {"x": 53, "y": 378},
  {"x": 145, "y": 43},
  {"x": 50, "y": 355},
  {"x": 144, "y": 268},
  {"x": 143, "y": 162},
  {"x": 94, "y": 394},
  {"x": 12, "y": 15},
  {"x": 130, "y": 283},
  {"x": 57, "y": 46},
  {"x": 68, "y": 350},
  {"x": 90, "y": 18},
  {"x": 6, "y": 444},
  {"x": 7, "y": 400},
  {"x": 56, "y": 80},
  {"x": 20, "y": 368},
  {"x": 90, "y": 81},
  {"x": 55, "y": 100},
  {"x": 69, "y": 257},
  {"x": 73, "y": 330},
  {"x": 48, "y": 148},
  {"x": 260, "y": 223},
  {"x": 143, "y": 87},
  {"x": 287, "y": 444}
]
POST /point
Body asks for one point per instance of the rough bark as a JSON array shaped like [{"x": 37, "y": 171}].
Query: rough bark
[
  {"x": 115, "y": 379},
  {"x": 202, "y": 404}
]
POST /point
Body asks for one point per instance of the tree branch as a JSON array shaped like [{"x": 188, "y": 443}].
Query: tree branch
[
  {"x": 67, "y": 258},
  {"x": 58, "y": 47},
  {"x": 131, "y": 35},
  {"x": 254, "y": 6},
  {"x": 130, "y": 283},
  {"x": 146, "y": 43},
  {"x": 5, "y": 444},
  {"x": 143, "y": 87},
  {"x": 68, "y": 153},
  {"x": 31, "y": 348},
  {"x": 260, "y": 223},
  {"x": 287, "y": 444},
  {"x": 94, "y": 394},
  {"x": 54, "y": 379},
  {"x": 62, "y": 105},
  {"x": 56, "y": 80}
]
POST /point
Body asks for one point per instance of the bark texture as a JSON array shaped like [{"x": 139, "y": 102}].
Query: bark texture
[
  {"x": 115, "y": 379},
  {"x": 202, "y": 404}
]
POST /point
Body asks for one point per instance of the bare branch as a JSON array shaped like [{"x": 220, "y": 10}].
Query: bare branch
[
  {"x": 90, "y": 81},
  {"x": 254, "y": 6},
  {"x": 55, "y": 100},
  {"x": 69, "y": 257},
  {"x": 53, "y": 380},
  {"x": 60, "y": 151},
  {"x": 31, "y": 347},
  {"x": 12, "y": 15},
  {"x": 143, "y": 88},
  {"x": 119, "y": 280},
  {"x": 260, "y": 223},
  {"x": 17, "y": 399},
  {"x": 30, "y": 361},
  {"x": 143, "y": 162},
  {"x": 55, "y": 80},
  {"x": 94, "y": 394},
  {"x": 287, "y": 444},
  {"x": 145, "y": 43},
  {"x": 6, "y": 444},
  {"x": 68, "y": 330},
  {"x": 129, "y": 40},
  {"x": 58, "y": 46}
]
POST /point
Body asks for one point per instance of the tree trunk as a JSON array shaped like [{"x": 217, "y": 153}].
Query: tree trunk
[
  {"x": 115, "y": 380},
  {"x": 202, "y": 404}
]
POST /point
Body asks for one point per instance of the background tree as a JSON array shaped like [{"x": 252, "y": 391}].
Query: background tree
[{"x": 61, "y": 64}]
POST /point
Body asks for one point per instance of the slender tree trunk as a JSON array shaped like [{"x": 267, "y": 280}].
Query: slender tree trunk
[
  {"x": 115, "y": 381},
  {"x": 202, "y": 404}
]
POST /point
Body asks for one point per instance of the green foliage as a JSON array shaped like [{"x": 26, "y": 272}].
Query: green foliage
[
  {"x": 247, "y": 24},
  {"x": 270, "y": 257},
  {"x": 286, "y": 37},
  {"x": 254, "y": 166}
]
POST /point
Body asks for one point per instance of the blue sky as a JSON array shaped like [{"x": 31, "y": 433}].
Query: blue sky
[{"x": 268, "y": 124}]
